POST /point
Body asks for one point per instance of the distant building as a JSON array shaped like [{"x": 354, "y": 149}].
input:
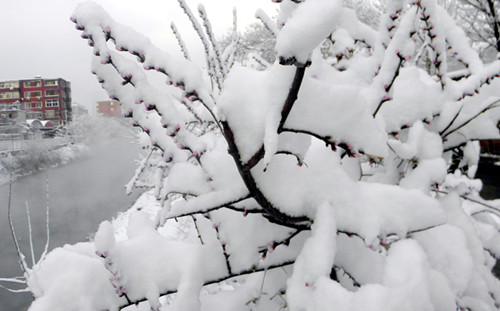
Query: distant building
[
  {"x": 110, "y": 108},
  {"x": 12, "y": 120},
  {"x": 42, "y": 99}
]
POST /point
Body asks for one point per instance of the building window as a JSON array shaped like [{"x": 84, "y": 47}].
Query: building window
[
  {"x": 51, "y": 93},
  {"x": 34, "y": 105},
  {"x": 50, "y": 82},
  {"x": 50, "y": 114},
  {"x": 34, "y": 115},
  {"x": 32, "y": 94},
  {"x": 9, "y": 85},
  {"x": 52, "y": 103},
  {"x": 35, "y": 83},
  {"x": 9, "y": 95}
]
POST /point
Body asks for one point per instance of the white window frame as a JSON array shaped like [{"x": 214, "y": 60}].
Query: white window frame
[
  {"x": 27, "y": 84},
  {"x": 51, "y": 83},
  {"x": 52, "y": 103},
  {"x": 30, "y": 94}
]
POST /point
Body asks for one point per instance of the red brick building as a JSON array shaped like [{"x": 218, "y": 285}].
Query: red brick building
[
  {"x": 110, "y": 108},
  {"x": 42, "y": 99}
]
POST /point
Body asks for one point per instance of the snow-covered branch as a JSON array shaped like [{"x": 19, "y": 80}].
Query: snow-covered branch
[{"x": 386, "y": 200}]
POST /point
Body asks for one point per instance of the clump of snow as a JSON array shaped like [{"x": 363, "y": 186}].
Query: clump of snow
[
  {"x": 72, "y": 277},
  {"x": 301, "y": 33},
  {"x": 315, "y": 259},
  {"x": 251, "y": 103},
  {"x": 416, "y": 96}
]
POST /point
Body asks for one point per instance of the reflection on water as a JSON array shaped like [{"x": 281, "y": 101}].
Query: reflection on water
[{"x": 82, "y": 194}]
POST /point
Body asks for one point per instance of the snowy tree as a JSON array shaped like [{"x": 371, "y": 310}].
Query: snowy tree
[
  {"x": 481, "y": 21},
  {"x": 310, "y": 185},
  {"x": 256, "y": 45}
]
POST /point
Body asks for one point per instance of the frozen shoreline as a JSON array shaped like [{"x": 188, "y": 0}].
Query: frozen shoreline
[{"x": 31, "y": 162}]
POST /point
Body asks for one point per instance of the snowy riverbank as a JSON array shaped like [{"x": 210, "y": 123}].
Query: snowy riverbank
[
  {"x": 41, "y": 154},
  {"x": 38, "y": 158}
]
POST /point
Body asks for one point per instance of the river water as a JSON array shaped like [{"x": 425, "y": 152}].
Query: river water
[{"x": 81, "y": 195}]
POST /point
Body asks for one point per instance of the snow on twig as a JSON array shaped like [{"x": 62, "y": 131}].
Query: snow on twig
[
  {"x": 180, "y": 41},
  {"x": 30, "y": 233}
]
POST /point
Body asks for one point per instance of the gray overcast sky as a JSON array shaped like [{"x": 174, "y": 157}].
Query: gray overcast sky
[{"x": 37, "y": 37}]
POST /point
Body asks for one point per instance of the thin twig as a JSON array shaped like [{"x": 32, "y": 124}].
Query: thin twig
[
  {"x": 452, "y": 121},
  {"x": 26, "y": 290},
  {"x": 30, "y": 234},
  {"x": 47, "y": 214},
  {"x": 22, "y": 262},
  {"x": 215, "y": 281},
  {"x": 490, "y": 106},
  {"x": 181, "y": 43},
  {"x": 197, "y": 229}
]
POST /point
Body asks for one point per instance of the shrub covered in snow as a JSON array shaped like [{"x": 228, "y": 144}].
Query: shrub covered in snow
[{"x": 344, "y": 182}]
